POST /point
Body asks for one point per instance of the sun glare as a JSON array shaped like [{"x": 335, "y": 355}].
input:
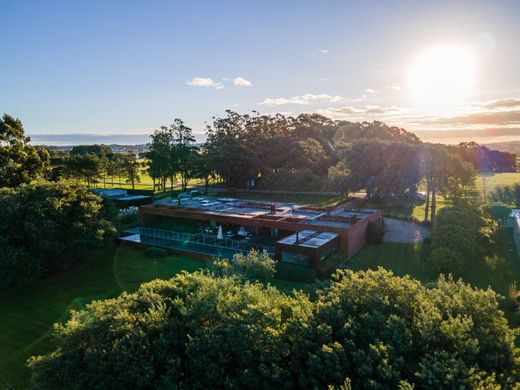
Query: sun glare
[{"x": 441, "y": 78}]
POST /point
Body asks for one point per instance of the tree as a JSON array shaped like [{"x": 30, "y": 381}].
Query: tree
[
  {"x": 19, "y": 161},
  {"x": 201, "y": 330},
  {"x": 183, "y": 151},
  {"x": 340, "y": 178},
  {"x": 131, "y": 169},
  {"x": 456, "y": 238},
  {"x": 87, "y": 167},
  {"x": 160, "y": 161},
  {"x": 49, "y": 227}
]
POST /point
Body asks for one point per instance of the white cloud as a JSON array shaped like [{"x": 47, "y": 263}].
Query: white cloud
[
  {"x": 242, "y": 82},
  {"x": 324, "y": 51},
  {"x": 303, "y": 99},
  {"x": 394, "y": 88},
  {"x": 370, "y": 90},
  {"x": 204, "y": 82}
]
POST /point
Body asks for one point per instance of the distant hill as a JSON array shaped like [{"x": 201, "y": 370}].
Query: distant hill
[{"x": 509, "y": 147}]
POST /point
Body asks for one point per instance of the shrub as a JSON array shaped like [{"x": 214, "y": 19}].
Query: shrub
[
  {"x": 253, "y": 266},
  {"x": 375, "y": 232},
  {"x": 155, "y": 253},
  {"x": 295, "y": 273}
]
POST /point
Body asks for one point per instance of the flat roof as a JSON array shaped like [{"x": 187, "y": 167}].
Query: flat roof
[
  {"x": 339, "y": 218},
  {"x": 309, "y": 239},
  {"x": 251, "y": 208}
]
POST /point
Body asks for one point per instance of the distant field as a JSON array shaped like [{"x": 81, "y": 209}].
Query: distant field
[{"x": 492, "y": 180}]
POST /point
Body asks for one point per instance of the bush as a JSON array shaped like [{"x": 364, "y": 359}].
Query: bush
[
  {"x": 253, "y": 266},
  {"x": 295, "y": 273},
  {"x": 129, "y": 218},
  {"x": 155, "y": 253},
  {"x": 375, "y": 232}
]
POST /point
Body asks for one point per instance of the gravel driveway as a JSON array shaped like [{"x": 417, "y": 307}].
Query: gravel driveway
[{"x": 397, "y": 230}]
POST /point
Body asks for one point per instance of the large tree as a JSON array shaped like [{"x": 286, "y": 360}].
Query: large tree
[
  {"x": 19, "y": 161},
  {"x": 47, "y": 227},
  {"x": 201, "y": 330}
]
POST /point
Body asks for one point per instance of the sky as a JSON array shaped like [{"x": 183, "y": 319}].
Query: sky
[{"x": 126, "y": 67}]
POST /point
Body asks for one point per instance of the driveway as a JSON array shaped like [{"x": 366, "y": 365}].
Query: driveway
[{"x": 397, "y": 230}]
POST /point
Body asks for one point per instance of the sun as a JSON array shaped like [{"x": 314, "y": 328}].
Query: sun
[{"x": 441, "y": 78}]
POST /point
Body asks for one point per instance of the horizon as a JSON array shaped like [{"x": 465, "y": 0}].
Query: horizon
[{"x": 123, "y": 69}]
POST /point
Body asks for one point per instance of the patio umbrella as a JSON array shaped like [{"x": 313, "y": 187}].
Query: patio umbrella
[{"x": 220, "y": 236}]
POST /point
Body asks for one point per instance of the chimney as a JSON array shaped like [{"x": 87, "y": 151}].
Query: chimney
[{"x": 273, "y": 209}]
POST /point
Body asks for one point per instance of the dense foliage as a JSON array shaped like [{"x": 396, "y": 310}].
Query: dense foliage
[
  {"x": 456, "y": 239},
  {"x": 204, "y": 331},
  {"x": 19, "y": 162},
  {"x": 508, "y": 194},
  {"x": 484, "y": 159},
  {"x": 47, "y": 227}
]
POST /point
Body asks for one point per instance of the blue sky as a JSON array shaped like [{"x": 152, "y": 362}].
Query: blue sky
[{"x": 126, "y": 67}]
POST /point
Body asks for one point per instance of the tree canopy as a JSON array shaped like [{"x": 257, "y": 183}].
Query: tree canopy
[
  {"x": 370, "y": 329},
  {"x": 47, "y": 227},
  {"x": 19, "y": 161}
]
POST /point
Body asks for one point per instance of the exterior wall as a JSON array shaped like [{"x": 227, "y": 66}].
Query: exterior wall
[{"x": 357, "y": 235}]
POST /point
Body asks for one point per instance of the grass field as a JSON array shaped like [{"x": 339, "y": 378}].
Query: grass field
[
  {"x": 27, "y": 315},
  {"x": 490, "y": 181},
  {"x": 497, "y": 272}
]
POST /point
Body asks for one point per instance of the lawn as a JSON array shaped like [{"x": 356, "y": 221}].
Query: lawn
[
  {"x": 27, "y": 315},
  {"x": 410, "y": 211},
  {"x": 490, "y": 181},
  {"x": 497, "y": 272}
]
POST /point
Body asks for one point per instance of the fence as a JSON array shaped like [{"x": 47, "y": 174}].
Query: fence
[{"x": 203, "y": 240}]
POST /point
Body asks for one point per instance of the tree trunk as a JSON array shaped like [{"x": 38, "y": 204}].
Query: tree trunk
[
  {"x": 427, "y": 206},
  {"x": 434, "y": 205}
]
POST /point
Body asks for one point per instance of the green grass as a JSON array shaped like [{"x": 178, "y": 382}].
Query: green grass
[
  {"x": 28, "y": 315},
  {"x": 492, "y": 180},
  {"x": 497, "y": 271},
  {"x": 410, "y": 211},
  {"x": 314, "y": 200}
]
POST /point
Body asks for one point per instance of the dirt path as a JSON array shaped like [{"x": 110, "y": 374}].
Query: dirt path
[{"x": 397, "y": 230}]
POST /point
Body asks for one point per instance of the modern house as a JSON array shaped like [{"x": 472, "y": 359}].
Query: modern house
[{"x": 293, "y": 233}]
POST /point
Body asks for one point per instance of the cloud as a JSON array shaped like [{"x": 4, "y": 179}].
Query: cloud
[
  {"x": 204, "y": 82},
  {"x": 307, "y": 98},
  {"x": 370, "y": 91},
  {"x": 353, "y": 113},
  {"x": 502, "y": 103},
  {"x": 242, "y": 82},
  {"x": 394, "y": 88},
  {"x": 324, "y": 51}
]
